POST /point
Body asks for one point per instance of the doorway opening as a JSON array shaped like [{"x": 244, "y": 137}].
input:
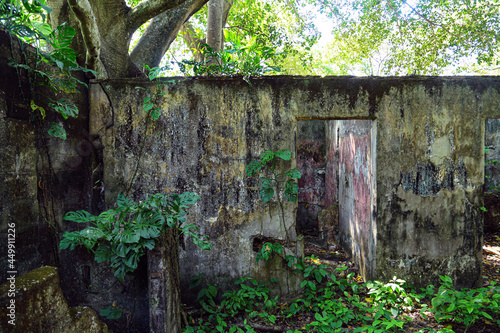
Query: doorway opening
[
  {"x": 492, "y": 176},
  {"x": 337, "y": 197}
]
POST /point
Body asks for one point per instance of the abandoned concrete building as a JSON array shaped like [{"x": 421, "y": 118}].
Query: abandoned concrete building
[{"x": 393, "y": 170}]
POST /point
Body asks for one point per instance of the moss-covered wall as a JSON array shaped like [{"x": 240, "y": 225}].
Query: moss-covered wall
[
  {"x": 427, "y": 148},
  {"x": 209, "y": 131},
  {"x": 18, "y": 174},
  {"x": 42, "y": 178},
  {"x": 34, "y": 302}
]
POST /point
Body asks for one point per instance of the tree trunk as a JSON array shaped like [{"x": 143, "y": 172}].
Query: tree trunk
[
  {"x": 218, "y": 12},
  {"x": 161, "y": 32},
  {"x": 109, "y": 25},
  {"x": 215, "y": 25},
  {"x": 164, "y": 284}
]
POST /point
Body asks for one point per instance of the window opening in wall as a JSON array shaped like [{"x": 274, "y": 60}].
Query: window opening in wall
[{"x": 336, "y": 201}]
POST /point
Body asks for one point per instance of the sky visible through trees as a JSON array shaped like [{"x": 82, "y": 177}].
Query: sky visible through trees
[{"x": 297, "y": 37}]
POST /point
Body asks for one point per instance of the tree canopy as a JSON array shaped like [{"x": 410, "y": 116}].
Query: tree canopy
[
  {"x": 369, "y": 37},
  {"x": 400, "y": 37},
  {"x": 256, "y": 37}
]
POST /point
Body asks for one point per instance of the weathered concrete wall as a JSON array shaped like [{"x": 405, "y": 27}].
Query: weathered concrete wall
[
  {"x": 428, "y": 158},
  {"x": 18, "y": 193},
  {"x": 42, "y": 178},
  {"x": 34, "y": 302},
  {"x": 356, "y": 186},
  {"x": 492, "y": 141},
  {"x": 18, "y": 176},
  {"x": 430, "y": 172},
  {"x": 328, "y": 217},
  {"x": 209, "y": 131}
]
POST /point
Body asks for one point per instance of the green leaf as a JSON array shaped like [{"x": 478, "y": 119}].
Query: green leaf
[
  {"x": 121, "y": 249},
  {"x": 123, "y": 201},
  {"x": 291, "y": 190},
  {"x": 43, "y": 28},
  {"x": 154, "y": 72},
  {"x": 277, "y": 247},
  {"x": 57, "y": 130},
  {"x": 103, "y": 253},
  {"x": 266, "y": 156},
  {"x": 65, "y": 55},
  {"x": 189, "y": 198},
  {"x": 293, "y": 173},
  {"x": 132, "y": 260},
  {"x": 129, "y": 236},
  {"x": 35, "y": 107},
  {"x": 68, "y": 240},
  {"x": 266, "y": 194},
  {"x": 155, "y": 114},
  {"x": 64, "y": 36},
  {"x": 92, "y": 233},
  {"x": 451, "y": 307},
  {"x": 148, "y": 106},
  {"x": 65, "y": 107},
  {"x": 253, "y": 168},
  {"x": 265, "y": 182},
  {"x": 149, "y": 244},
  {"x": 80, "y": 216},
  {"x": 284, "y": 154},
  {"x": 111, "y": 312},
  {"x": 149, "y": 231}
]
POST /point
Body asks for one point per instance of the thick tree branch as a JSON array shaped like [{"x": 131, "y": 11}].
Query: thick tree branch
[
  {"x": 90, "y": 32},
  {"x": 146, "y": 10},
  {"x": 161, "y": 32}
]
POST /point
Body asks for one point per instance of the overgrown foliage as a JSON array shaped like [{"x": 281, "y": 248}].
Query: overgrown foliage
[
  {"x": 52, "y": 65},
  {"x": 339, "y": 302},
  {"x": 259, "y": 37},
  {"x": 412, "y": 37},
  {"x": 247, "y": 60},
  {"x": 122, "y": 235},
  {"x": 274, "y": 180}
]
